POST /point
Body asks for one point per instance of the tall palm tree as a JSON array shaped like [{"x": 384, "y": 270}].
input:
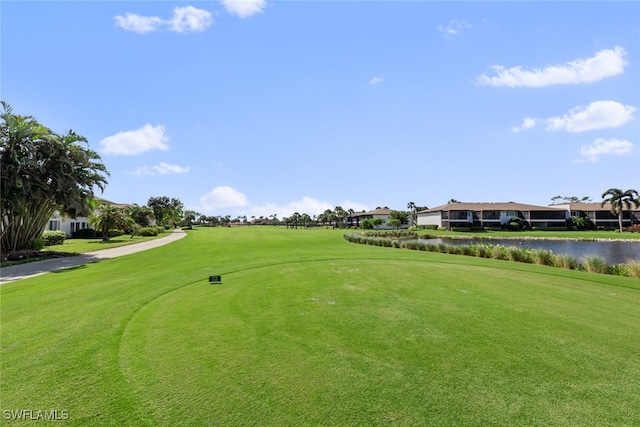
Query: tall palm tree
[
  {"x": 340, "y": 215},
  {"x": 412, "y": 210},
  {"x": 620, "y": 200}
]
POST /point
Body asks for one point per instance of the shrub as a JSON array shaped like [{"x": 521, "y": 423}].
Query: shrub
[
  {"x": 147, "y": 231},
  {"x": 595, "y": 264},
  {"x": 461, "y": 229},
  {"x": 37, "y": 244},
  {"x": 498, "y": 252},
  {"x": 566, "y": 261},
  {"x": 431, "y": 226},
  {"x": 466, "y": 250},
  {"x": 84, "y": 233},
  {"x": 542, "y": 257},
  {"x": 635, "y": 228},
  {"x": 160, "y": 229},
  {"x": 52, "y": 238},
  {"x": 516, "y": 254},
  {"x": 482, "y": 251},
  {"x": 633, "y": 269},
  {"x": 515, "y": 223}
]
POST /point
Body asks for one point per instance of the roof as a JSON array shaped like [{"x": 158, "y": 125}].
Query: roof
[
  {"x": 587, "y": 206},
  {"x": 108, "y": 202},
  {"x": 499, "y": 206},
  {"x": 381, "y": 211}
]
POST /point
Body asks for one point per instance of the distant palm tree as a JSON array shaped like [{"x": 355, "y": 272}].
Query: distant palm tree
[
  {"x": 107, "y": 218},
  {"x": 412, "y": 210},
  {"x": 620, "y": 200},
  {"x": 340, "y": 214}
]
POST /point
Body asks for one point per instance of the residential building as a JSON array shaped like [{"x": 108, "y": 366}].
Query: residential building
[
  {"x": 495, "y": 215},
  {"x": 600, "y": 215},
  {"x": 356, "y": 218},
  {"x": 70, "y": 225}
]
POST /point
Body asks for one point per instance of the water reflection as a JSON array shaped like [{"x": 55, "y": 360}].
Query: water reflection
[{"x": 613, "y": 252}]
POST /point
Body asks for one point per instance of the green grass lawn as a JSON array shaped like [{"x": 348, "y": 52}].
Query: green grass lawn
[
  {"x": 90, "y": 245},
  {"x": 307, "y": 329}
]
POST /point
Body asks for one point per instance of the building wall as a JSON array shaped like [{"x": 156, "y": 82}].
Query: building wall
[
  {"x": 68, "y": 225},
  {"x": 431, "y": 218}
]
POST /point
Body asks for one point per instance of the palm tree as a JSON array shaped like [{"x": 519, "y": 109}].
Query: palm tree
[
  {"x": 42, "y": 172},
  {"x": 107, "y": 218},
  {"x": 620, "y": 200},
  {"x": 340, "y": 214},
  {"x": 412, "y": 210}
]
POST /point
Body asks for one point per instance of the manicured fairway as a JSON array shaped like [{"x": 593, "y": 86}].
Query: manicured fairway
[{"x": 307, "y": 329}]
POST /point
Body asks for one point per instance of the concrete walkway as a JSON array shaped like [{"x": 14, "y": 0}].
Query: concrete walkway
[{"x": 35, "y": 268}]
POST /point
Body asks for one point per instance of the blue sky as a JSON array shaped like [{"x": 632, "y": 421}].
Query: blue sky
[{"x": 257, "y": 107}]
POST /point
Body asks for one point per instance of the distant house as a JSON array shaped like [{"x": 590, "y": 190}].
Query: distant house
[
  {"x": 355, "y": 219},
  {"x": 482, "y": 215},
  {"x": 601, "y": 216},
  {"x": 70, "y": 225}
]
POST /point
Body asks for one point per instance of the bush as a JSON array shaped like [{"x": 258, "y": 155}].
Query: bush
[
  {"x": 635, "y": 228},
  {"x": 498, "y": 252},
  {"x": 633, "y": 269},
  {"x": 543, "y": 257},
  {"x": 52, "y": 238},
  {"x": 566, "y": 261},
  {"x": 595, "y": 264},
  {"x": 37, "y": 244},
  {"x": 516, "y": 254},
  {"x": 84, "y": 233},
  {"x": 147, "y": 231}
]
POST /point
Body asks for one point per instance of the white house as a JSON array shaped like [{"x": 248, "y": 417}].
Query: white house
[{"x": 69, "y": 225}]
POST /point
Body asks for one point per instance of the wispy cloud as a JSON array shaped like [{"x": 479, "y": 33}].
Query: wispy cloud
[
  {"x": 183, "y": 19},
  {"x": 244, "y": 8},
  {"x": 601, "y": 147},
  {"x": 160, "y": 169},
  {"x": 376, "y": 81},
  {"x": 133, "y": 142},
  {"x": 454, "y": 28},
  {"x": 603, "y": 64},
  {"x": 597, "y": 115}
]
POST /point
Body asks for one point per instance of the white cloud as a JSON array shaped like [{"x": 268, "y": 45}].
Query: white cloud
[
  {"x": 187, "y": 18},
  {"x": 161, "y": 169},
  {"x": 132, "y": 142},
  {"x": 597, "y": 115},
  {"x": 244, "y": 8},
  {"x": 307, "y": 205},
  {"x": 454, "y": 28},
  {"x": 605, "y": 63},
  {"x": 137, "y": 23},
  {"x": 601, "y": 146},
  {"x": 223, "y": 197},
  {"x": 527, "y": 123},
  {"x": 376, "y": 81},
  {"x": 225, "y": 200}
]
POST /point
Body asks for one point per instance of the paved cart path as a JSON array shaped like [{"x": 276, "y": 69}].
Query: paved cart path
[{"x": 35, "y": 268}]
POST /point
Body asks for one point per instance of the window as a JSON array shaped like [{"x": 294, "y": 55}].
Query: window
[{"x": 54, "y": 225}]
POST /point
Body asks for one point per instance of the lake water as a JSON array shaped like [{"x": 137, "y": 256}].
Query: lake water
[{"x": 614, "y": 252}]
